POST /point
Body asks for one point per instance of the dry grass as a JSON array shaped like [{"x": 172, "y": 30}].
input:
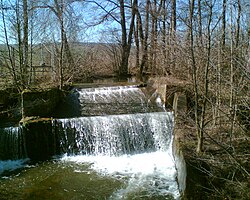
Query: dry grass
[{"x": 222, "y": 171}]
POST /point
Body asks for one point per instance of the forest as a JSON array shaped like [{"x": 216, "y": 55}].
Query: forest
[{"x": 48, "y": 43}]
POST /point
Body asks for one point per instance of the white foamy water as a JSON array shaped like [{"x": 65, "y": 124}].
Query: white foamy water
[
  {"x": 11, "y": 165},
  {"x": 151, "y": 172},
  {"x": 121, "y": 94},
  {"x": 117, "y": 134}
]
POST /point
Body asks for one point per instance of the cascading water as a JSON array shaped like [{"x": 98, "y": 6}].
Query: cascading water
[
  {"x": 12, "y": 149},
  {"x": 12, "y": 143},
  {"x": 105, "y": 101},
  {"x": 115, "y": 146},
  {"x": 109, "y": 100},
  {"x": 115, "y": 135},
  {"x": 135, "y": 148}
]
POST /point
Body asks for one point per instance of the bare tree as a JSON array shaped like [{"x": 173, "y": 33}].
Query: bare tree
[
  {"x": 25, "y": 42},
  {"x": 126, "y": 38},
  {"x": 144, "y": 63},
  {"x": 199, "y": 133},
  {"x": 10, "y": 57}
]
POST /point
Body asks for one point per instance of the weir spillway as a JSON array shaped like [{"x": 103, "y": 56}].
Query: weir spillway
[
  {"x": 111, "y": 133},
  {"x": 115, "y": 135}
]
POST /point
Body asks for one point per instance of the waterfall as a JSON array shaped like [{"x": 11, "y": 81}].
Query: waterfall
[
  {"x": 12, "y": 149},
  {"x": 121, "y": 134},
  {"x": 12, "y": 143},
  {"x": 115, "y": 134},
  {"x": 112, "y": 121},
  {"x": 105, "y": 101}
]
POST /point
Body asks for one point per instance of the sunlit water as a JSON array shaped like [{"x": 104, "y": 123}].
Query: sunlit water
[
  {"x": 125, "y": 155},
  {"x": 115, "y": 134},
  {"x": 105, "y": 101},
  {"x": 141, "y": 176},
  {"x": 144, "y": 176}
]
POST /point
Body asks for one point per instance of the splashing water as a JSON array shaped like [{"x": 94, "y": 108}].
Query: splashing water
[
  {"x": 116, "y": 134},
  {"x": 12, "y": 165},
  {"x": 125, "y": 153},
  {"x": 150, "y": 174}
]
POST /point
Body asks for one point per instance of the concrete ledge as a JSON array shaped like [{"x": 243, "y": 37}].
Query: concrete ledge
[
  {"x": 180, "y": 164},
  {"x": 40, "y": 141}
]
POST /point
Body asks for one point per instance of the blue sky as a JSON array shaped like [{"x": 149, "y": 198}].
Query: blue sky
[{"x": 86, "y": 16}]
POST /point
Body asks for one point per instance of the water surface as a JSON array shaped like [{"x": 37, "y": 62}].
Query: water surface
[{"x": 140, "y": 176}]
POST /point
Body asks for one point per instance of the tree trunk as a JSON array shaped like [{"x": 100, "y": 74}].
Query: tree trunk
[
  {"x": 10, "y": 56},
  {"x": 173, "y": 32},
  {"x": 142, "y": 39},
  {"x": 223, "y": 38},
  {"x": 20, "y": 44},
  {"x": 137, "y": 42},
  {"x": 164, "y": 40},
  {"x": 199, "y": 24},
  {"x": 144, "y": 62},
  {"x": 232, "y": 93},
  {"x": 123, "y": 69},
  {"x": 25, "y": 42},
  {"x": 194, "y": 77},
  {"x": 126, "y": 40},
  {"x": 206, "y": 82},
  {"x": 153, "y": 49},
  {"x": 237, "y": 39},
  {"x": 217, "y": 113},
  {"x": 64, "y": 49},
  {"x": 59, "y": 10}
]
